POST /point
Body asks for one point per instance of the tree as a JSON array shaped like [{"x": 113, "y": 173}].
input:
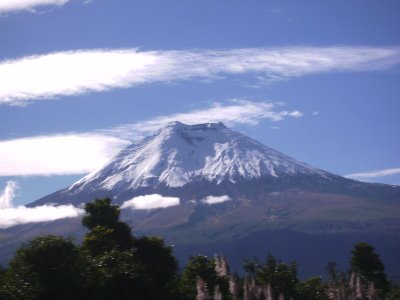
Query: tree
[
  {"x": 282, "y": 277},
  {"x": 115, "y": 274},
  {"x": 159, "y": 264},
  {"x": 41, "y": 269},
  {"x": 99, "y": 241},
  {"x": 202, "y": 267},
  {"x": 366, "y": 263},
  {"x": 312, "y": 289},
  {"x": 107, "y": 231},
  {"x": 114, "y": 270}
]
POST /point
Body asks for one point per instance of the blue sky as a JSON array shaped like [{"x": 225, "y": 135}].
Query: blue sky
[{"x": 317, "y": 80}]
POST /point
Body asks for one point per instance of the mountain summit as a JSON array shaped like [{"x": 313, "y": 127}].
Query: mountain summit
[
  {"x": 179, "y": 153},
  {"x": 190, "y": 161}
]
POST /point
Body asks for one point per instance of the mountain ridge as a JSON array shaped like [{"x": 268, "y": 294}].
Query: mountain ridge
[{"x": 201, "y": 157}]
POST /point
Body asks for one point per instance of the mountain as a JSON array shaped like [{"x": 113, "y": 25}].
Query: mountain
[
  {"x": 234, "y": 194},
  {"x": 180, "y": 159}
]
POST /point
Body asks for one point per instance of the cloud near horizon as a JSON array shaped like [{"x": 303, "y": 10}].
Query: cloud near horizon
[
  {"x": 27, "y": 5},
  {"x": 216, "y": 199},
  {"x": 81, "y": 153},
  {"x": 49, "y": 76},
  {"x": 374, "y": 174},
  {"x": 11, "y": 216},
  {"x": 150, "y": 202}
]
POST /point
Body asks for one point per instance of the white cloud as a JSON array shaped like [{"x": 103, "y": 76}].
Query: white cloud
[
  {"x": 22, "y": 215},
  {"x": 216, "y": 199},
  {"x": 82, "y": 153},
  {"x": 374, "y": 174},
  {"x": 8, "y": 194},
  {"x": 29, "y": 5},
  {"x": 296, "y": 114},
  {"x": 57, "y": 155},
  {"x": 150, "y": 202},
  {"x": 10, "y": 216},
  {"x": 237, "y": 112},
  {"x": 80, "y": 71}
]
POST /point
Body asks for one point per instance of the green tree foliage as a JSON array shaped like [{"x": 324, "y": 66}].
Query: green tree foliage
[
  {"x": 46, "y": 268},
  {"x": 282, "y": 277},
  {"x": 102, "y": 218},
  {"x": 312, "y": 289},
  {"x": 99, "y": 241},
  {"x": 115, "y": 274},
  {"x": 366, "y": 262},
  {"x": 160, "y": 266},
  {"x": 142, "y": 268},
  {"x": 112, "y": 264},
  {"x": 198, "y": 266}
]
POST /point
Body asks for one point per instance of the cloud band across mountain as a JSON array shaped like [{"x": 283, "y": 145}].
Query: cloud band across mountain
[
  {"x": 80, "y": 153},
  {"x": 11, "y": 216},
  {"x": 80, "y": 71},
  {"x": 148, "y": 202}
]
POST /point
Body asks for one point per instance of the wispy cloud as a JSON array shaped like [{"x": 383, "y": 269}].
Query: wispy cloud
[
  {"x": 75, "y": 72},
  {"x": 80, "y": 153},
  {"x": 11, "y": 216},
  {"x": 374, "y": 174},
  {"x": 236, "y": 112},
  {"x": 151, "y": 202},
  {"x": 216, "y": 199},
  {"x": 27, "y": 5}
]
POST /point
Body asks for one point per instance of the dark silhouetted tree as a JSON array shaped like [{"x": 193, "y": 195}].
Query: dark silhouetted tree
[
  {"x": 202, "y": 267},
  {"x": 46, "y": 268},
  {"x": 106, "y": 230},
  {"x": 282, "y": 277},
  {"x": 160, "y": 267},
  {"x": 366, "y": 263},
  {"x": 312, "y": 289}
]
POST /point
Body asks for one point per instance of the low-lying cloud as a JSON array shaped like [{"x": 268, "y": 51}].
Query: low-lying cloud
[
  {"x": 27, "y": 5},
  {"x": 216, "y": 199},
  {"x": 151, "y": 202},
  {"x": 52, "y": 75},
  {"x": 11, "y": 216},
  {"x": 44, "y": 213}
]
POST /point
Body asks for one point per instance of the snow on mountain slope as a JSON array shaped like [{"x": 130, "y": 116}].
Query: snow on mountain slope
[{"x": 179, "y": 153}]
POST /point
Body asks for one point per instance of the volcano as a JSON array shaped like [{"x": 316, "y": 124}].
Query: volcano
[
  {"x": 206, "y": 188},
  {"x": 195, "y": 161}
]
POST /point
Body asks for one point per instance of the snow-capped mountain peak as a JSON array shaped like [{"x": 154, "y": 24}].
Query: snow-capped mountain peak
[{"x": 179, "y": 153}]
